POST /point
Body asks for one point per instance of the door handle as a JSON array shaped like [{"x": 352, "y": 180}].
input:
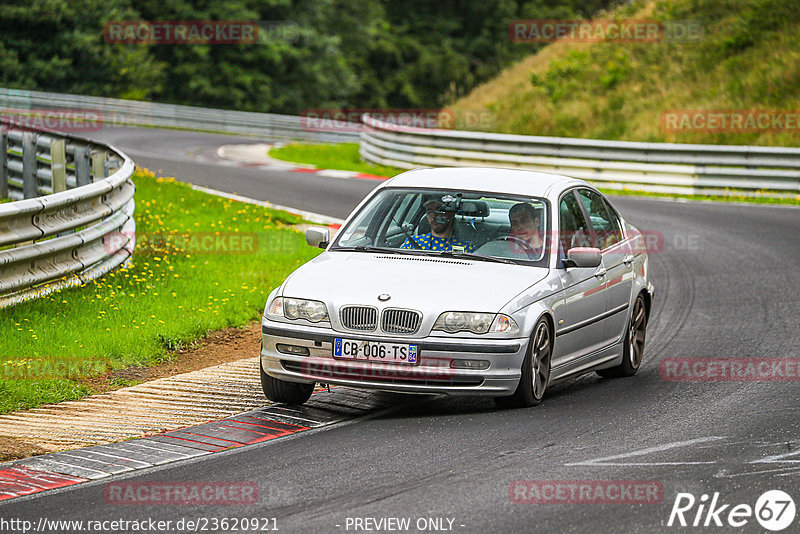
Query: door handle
[
  {"x": 601, "y": 272},
  {"x": 628, "y": 259}
]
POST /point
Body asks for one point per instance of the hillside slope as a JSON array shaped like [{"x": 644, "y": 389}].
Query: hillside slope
[{"x": 748, "y": 58}]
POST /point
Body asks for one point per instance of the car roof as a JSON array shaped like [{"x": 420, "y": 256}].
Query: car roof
[{"x": 511, "y": 181}]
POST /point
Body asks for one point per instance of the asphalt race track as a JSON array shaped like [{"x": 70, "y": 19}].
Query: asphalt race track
[
  {"x": 175, "y": 153},
  {"x": 726, "y": 281}
]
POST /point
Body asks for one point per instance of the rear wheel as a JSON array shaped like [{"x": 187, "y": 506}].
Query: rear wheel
[
  {"x": 535, "y": 371},
  {"x": 634, "y": 344},
  {"x": 286, "y": 392}
]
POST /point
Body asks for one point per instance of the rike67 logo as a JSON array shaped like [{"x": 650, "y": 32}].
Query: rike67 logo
[{"x": 774, "y": 510}]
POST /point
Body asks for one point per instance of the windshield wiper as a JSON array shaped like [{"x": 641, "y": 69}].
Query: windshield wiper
[
  {"x": 370, "y": 248},
  {"x": 471, "y": 256},
  {"x": 413, "y": 252}
]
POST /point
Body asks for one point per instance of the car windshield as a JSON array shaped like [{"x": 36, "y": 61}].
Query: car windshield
[{"x": 481, "y": 225}]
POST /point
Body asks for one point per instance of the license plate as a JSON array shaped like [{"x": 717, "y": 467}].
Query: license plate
[{"x": 374, "y": 351}]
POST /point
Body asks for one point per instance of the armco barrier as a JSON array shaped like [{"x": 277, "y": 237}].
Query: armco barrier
[
  {"x": 73, "y": 199},
  {"x": 656, "y": 167},
  {"x": 113, "y": 111}
]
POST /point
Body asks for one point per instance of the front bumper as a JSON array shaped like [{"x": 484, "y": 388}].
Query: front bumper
[{"x": 433, "y": 374}]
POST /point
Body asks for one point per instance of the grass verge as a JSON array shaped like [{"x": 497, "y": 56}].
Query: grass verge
[
  {"x": 201, "y": 263},
  {"x": 342, "y": 157},
  {"x": 745, "y": 56},
  {"x": 345, "y": 157},
  {"x": 732, "y": 195}
]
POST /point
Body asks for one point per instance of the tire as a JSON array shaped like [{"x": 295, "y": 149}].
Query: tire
[
  {"x": 633, "y": 351},
  {"x": 535, "y": 370},
  {"x": 283, "y": 391}
]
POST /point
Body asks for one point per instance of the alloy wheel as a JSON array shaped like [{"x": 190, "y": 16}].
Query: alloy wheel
[
  {"x": 540, "y": 360},
  {"x": 636, "y": 334}
]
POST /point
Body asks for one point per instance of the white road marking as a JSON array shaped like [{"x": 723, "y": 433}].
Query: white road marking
[
  {"x": 332, "y": 173},
  {"x": 607, "y": 460},
  {"x": 778, "y": 458},
  {"x": 780, "y": 471}
]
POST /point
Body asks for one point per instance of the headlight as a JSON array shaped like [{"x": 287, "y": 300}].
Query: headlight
[
  {"x": 311, "y": 310},
  {"x": 478, "y": 323},
  {"x": 454, "y": 321}
]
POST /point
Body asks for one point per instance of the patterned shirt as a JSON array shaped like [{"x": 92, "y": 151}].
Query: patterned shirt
[{"x": 430, "y": 242}]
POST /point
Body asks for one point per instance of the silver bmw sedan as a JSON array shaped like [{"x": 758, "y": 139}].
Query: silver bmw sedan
[{"x": 463, "y": 281}]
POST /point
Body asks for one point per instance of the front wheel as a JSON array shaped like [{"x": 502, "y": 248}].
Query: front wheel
[
  {"x": 634, "y": 344},
  {"x": 286, "y": 392},
  {"x": 535, "y": 371}
]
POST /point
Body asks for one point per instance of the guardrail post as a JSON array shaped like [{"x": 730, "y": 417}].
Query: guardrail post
[
  {"x": 83, "y": 174},
  {"x": 98, "y": 166},
  {"x": 29, "y": 189},
  {"x": 58, "y": 165},
  {"x": 3, "y": 163}
]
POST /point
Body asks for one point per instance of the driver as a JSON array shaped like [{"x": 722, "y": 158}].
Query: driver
[
  {"x": 525, "y": 223},
  {"x": 441, "y": 235}
]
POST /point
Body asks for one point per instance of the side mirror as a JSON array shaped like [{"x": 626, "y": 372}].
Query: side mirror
[
  {"x": 583, "y": 257},
  {"x": 318, "y": 237}
]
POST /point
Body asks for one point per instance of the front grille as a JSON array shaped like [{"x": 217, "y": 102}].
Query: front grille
[
  {"x": 362, "y": 318},
  {"x": 396, "y": 321}
]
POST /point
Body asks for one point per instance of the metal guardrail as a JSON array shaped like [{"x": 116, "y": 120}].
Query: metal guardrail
[
  {"x": 72, "y": 218},
  {"x": 114, "y": 111},
  {"x": 655, "y": 167}
]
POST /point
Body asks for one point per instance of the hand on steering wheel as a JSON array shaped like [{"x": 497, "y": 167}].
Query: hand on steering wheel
[{"x": 529, "y": 250}]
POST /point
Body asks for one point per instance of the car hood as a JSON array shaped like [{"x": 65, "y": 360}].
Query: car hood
[{"x": 416, "y": 282}]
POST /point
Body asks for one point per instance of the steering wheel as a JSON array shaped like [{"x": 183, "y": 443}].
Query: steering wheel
[{"x": 529, "y": 250}]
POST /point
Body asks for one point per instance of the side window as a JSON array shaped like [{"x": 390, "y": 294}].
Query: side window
[
  {"x": 398, "y": 219},
  {"x": 397, "y": 213},
  {"x": 616, "y": 224},
  {"x": 410, "y": 206},
  {"x": 573, "y": 230},
  {"x": 356, "y": 233},
  {"x": 604, "y": 221}
]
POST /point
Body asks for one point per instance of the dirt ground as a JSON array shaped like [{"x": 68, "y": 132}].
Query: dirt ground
[{"x": 220, "y": 346}]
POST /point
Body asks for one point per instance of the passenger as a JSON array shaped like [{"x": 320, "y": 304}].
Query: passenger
[
  {"x": 441, "y": 235},
  {"x": 525, "y": 226}
]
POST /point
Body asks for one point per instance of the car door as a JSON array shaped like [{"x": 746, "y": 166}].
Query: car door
[
  {"x": 584, "y": 300},
  {"x": 617, "y": 261}
]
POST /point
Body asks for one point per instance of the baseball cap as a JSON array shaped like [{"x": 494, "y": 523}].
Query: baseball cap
[{"x": 428, "y": 199}]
